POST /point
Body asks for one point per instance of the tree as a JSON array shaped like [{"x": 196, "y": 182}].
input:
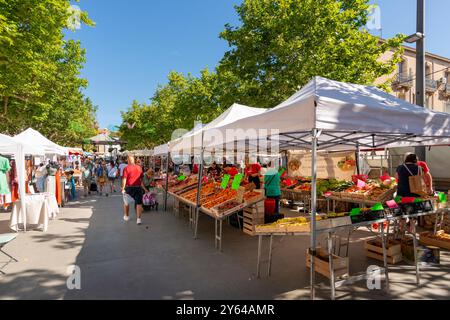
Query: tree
[
  {"x": 281, "y": 44},
  {"x": 40, "y": 84}
]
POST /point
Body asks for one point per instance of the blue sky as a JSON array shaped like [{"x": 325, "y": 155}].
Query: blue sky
[{"x": 136, "y": 43}]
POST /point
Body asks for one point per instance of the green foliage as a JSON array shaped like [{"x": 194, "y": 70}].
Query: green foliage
[
  {"x": 40, "y": 84},
  {"x": 277, "y": 48}
]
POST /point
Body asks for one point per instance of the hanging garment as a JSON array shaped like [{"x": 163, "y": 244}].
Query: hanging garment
[
  {"x": 4, "y": 169},
  {"x": 58, "y": 192},
  {"x": 13, "y": 182}
]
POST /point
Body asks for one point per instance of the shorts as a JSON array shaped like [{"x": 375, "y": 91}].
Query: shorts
[{"x": 136, "y": 193}]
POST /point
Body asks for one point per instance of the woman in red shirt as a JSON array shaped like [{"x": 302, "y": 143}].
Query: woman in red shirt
[{"x": 252, "y": 172}]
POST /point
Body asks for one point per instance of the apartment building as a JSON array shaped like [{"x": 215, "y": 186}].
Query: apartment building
[{"x": 437, "y": 79}]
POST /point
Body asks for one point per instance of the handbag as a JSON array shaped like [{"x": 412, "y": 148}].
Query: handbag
[{"x": 417, "y": 183}]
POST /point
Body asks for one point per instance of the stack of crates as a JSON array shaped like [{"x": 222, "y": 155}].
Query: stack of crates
[{"x": 253, "y": 216}]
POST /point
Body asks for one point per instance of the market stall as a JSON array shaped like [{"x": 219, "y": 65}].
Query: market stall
[
  {"x": 10, "y": 146},
  {"x": 340, "y": 116},
  {"x": 224, "y": 199}
]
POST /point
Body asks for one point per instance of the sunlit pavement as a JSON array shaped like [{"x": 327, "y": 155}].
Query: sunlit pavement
[{"x": 160, "y": 260}]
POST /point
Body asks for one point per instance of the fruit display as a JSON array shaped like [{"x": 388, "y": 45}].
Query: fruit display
[
  {"x": 176, "y": 186},
  {"x": 298, "y": 224},
  {"x": 227, "y": 206},
  {"x": 439, "y": 236},
  {"x": 219, "y": 198},
  {"x": 251, "y": 195},
  {"x": 206, "y": 190},
  {"x": 347, "y": 164}
]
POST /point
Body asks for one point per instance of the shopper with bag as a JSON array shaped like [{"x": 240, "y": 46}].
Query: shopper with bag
[
  {"x": 101, "y": 172},
  {"x": 132, "y": 189},
  {"x": 113, "y": 173},
  {"x": 412, "y": 181},
  {"x": 86, "y": 176}
]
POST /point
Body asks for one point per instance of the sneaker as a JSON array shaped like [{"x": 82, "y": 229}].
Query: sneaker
[
  {"x": 139, "y": 222},
  {"x": 126, "y": 218}
]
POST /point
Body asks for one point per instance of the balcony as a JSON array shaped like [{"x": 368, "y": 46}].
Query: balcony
[
  {"x": 431, "y": 85},
  {"x": 446, "y": 90},
  {"x": 403, "y": 80}
]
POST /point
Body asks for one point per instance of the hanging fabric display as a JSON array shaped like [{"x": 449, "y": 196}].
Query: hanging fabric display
[{"x": 5, "y": 192}]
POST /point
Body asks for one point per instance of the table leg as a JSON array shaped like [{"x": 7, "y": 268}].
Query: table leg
[
  {"x": 331, "y": 265},
  {"x": 414, "y": 234},
  {"x": 269, "y": 268},
  {"x": 385, "y": 264},
  {"x": 221, "y": 234},
  {"x": 197, "y": 213},
  {"x": 215, "y": 233},
  {"x": 259, "y": 256}
]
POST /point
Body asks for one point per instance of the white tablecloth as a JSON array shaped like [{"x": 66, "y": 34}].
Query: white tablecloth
[{"x": 40, "y": 209}]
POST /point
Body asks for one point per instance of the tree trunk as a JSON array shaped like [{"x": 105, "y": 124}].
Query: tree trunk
[{"x": 5, "y": 105}]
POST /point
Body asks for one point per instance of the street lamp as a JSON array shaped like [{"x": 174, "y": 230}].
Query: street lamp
[
  {"x": 419, "y": 39},
  {"x": 415, "y": 37}
]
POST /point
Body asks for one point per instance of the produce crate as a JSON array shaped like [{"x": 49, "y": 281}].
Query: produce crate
[
  {"x": 426, "y": 239},
  {"x": 298, "y": 229},
  {"x": 216, "y": 211},
  {"x": 253, "y": 216},
  {"x": 390, "y": 259},
  {"x": 260, "y": 229},
  {"x": 340, "y": 265},
  {"x": 255, "y": 199},
  {"x": 393, "y": 248},
  {"x": 374, "y": 250}
]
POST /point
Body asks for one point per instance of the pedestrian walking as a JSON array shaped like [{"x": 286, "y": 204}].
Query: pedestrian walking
[
  {"x": 87, "y": 173},
  {"x": 131, "y": 189},
  {"x": 113, "y": 173},
  {"x": 101, "y": 174}
]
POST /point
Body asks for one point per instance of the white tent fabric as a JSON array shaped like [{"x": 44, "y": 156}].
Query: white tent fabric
[
  {"x": 345, "y": 113},
  {"x": 193, "y": 140},
  {"x": 161, "y": 150},
  {"x": 35, "y": 138},
  {"x": 9, "y": 146}
]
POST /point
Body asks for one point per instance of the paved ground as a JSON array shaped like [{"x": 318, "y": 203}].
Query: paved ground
[{"x": 160, "y": 260}]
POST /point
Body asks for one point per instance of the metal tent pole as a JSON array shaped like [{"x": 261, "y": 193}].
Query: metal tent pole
[
  {"x": 167, "y": 182},
  {"x": 199, "y": 187},
  {"x": 358, "y": 158},
  {"x": 313, "y": 209}
]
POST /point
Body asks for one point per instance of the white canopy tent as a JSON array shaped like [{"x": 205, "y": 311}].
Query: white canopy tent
[
  {"x": 192, "y": 141},
  {"x": 161, "y": 150},
  {"x": 35, "y": 138},
  {"x": 331, "y": 115},
  {"x": 9, "y": 146},
  {"x": 346, "y": 114}
]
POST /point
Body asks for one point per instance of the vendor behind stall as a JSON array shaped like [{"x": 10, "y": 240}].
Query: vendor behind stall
[
  {"x": 272, "y": 187},
  {"x": 214, "y": 171},
  {"x": 252, "y": 173}
]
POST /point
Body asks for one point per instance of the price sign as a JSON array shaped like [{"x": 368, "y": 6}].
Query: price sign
[
  {"x": 237, "y": 181},
  {"x": 442, "y": 197},
  {"x": 377, "y": 207},
  {"x": 355, "y": 212},
  {"x": 225, "y": 180},
  {"x": 392, "y": 204},
  {"x": 182, "y": 178}
]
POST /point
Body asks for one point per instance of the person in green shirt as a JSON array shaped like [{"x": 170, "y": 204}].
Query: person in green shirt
[{"x": 272, "y": 187}]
